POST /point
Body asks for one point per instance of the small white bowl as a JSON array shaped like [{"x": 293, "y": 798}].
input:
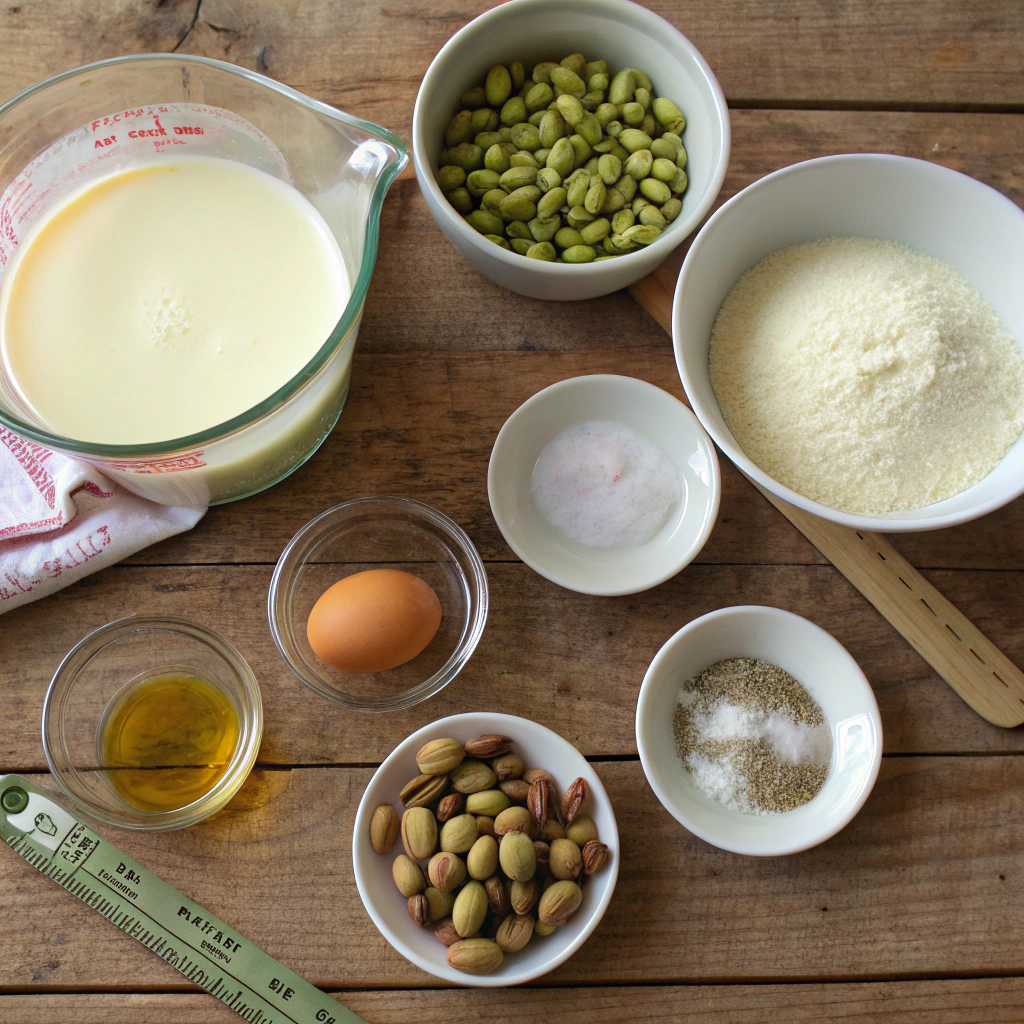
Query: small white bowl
[
  {"x": 539, "y": 748},
  {"x": 934, "y": 210},
  {"x": 624, "y": 34},
  {"x": 650, "y": 411},
  {"x": 828, "y": 672}
]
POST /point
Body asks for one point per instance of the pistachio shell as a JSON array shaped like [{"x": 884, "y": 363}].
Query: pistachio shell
[
  {"x": 470, "y": 909},
  {"x": 458, "y": 834},
  {"x": 475, "y": 956},
  {"x": 517, "y": 856}
]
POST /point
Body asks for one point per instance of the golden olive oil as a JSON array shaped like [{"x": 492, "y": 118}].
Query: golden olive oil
[{"x": 168, "y": 740}]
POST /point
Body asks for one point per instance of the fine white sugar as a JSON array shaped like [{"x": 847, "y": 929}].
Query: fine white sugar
[
  {"x": 865, "y": 375},
  {"x": 604, "y": 485},
  {"x": 792, "y": 742}
]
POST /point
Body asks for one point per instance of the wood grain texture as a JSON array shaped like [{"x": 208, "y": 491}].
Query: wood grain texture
[
  {"x": 368, "y": 58},
  {"x": 568, "y": 660},
  {"x": 974, "y": 1001},
  {"x": 926, "y": 881}
]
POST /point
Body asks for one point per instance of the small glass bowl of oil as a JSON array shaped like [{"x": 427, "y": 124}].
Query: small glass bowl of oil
[{"x": 152, "y": 723}]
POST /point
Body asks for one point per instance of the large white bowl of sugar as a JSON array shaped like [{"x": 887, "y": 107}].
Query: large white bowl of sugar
[{"x": 936, "y": 211}]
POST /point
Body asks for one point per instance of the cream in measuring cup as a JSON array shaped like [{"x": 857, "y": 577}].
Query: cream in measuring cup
[{"x": 162, "y": 300}]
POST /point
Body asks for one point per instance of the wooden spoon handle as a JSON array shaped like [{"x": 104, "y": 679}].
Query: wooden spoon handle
[{"x": 983, "y": 676}]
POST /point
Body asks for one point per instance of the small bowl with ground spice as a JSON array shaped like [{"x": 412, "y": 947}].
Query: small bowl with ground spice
[{"x": 758, "y": 731}]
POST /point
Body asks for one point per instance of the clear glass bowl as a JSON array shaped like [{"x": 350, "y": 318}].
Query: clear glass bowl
[
  {"x": 92, "y": 678},
  {"x": 59, "y": 134},
  {"x": 380, "y": 533}
]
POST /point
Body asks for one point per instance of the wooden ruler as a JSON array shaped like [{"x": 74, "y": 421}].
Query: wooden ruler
[{"x": 978, "y": 670}]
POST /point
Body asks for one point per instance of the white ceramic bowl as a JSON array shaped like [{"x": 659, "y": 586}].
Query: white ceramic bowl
[
  {"x": 930, "y": 208},
  {"x": 539, "y": 748},
  {"x": 650, "y": 411},
  {"x": 624, "y": 34},
  {"x": 817, "y": 660}
]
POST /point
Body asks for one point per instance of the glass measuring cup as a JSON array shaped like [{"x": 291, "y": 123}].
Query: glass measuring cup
[{"x": 64, "y": 132}]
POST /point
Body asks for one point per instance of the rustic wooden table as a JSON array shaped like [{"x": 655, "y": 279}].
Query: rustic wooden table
[{"x": 913, "y": 910}]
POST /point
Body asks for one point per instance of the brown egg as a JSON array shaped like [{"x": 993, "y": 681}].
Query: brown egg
[{"x": 374, "y": 620}]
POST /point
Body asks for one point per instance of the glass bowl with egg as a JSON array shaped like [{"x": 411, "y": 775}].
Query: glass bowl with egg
[
  {"x": 378, "y": 603},
  {"x": 152, "y": 723},
  {"x": 202, "y": 350}
]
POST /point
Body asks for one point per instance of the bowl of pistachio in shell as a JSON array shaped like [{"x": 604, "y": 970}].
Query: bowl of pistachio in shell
[
  {"x": 567, "y": 147},
  {"x": 485, "y": 849}
]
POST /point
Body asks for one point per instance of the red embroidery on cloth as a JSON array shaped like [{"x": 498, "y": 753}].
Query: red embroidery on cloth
[
  {"x": 91, "y": 545},
  {"x": 95, "y": 490},
  {"x": 54, "y": 522},
  {"x": 173, "y": 464},
  {"x": 31, "y": 456}
]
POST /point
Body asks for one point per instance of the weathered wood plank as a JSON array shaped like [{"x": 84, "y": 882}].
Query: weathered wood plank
[
  {"x": 369, "y": 58},
  {"x": 973, "y": 1001},
  {"x": 570, "y": 661},
  {"x": 926, "y": 881}
]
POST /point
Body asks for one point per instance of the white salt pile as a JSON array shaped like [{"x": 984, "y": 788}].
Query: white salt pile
[{"x": 604, "y": 485}]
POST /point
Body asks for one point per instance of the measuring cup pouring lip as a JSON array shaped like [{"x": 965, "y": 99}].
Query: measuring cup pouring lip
[
  {"x": 386, "y": 175},
  {"x": 236, "y": 678}
]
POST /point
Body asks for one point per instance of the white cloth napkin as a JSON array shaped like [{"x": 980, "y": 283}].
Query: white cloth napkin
[{"x": 61, "y": 519}]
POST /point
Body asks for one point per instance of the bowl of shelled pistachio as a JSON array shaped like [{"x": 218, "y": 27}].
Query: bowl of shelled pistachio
[
  {"x": 485, "y": 849},
  {"x": 567, "y": 147}
]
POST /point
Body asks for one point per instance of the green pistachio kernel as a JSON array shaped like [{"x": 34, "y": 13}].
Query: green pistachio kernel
[
  {"x": 581, "y": 149},
  {"x": 562, "y": 157},
  {"x": 487, "y": 139},
  {"x": 575, "y": 62},
  {"x": 594, "y": 67},
  {"x": 544, "y": 230},
  {"x": 639, "y": 164},
  {"x": 461, "y": 200},
  {"x": 513, "y": 111},
  {"x": 485, "y": 222},
  {"x": 569, "y": 82},
  {"x": 552, "y": 128},
  {"x": 516, "y": 177},
  {"x": 548, "y": 178},
  {"x": 566, "y": 238},
  {"x": 681, "y": 158},
  {"x": 496, "y": 159},
  {"x": 517, "y": 74},
  {"x": 642, "y": 96},
  {"x": 613, "y": 202},
  {"x": 592, "y": 101},
  {"x": 595, "y": 231},
  {"x": 521, "y": 245},
  {"x": 520, "y": 204},
  {"x": 641, "y": 234},
  {"x": 665, "y": 111},
  {"x": 526, "y": 136},
  {"x": 551, "y": 202},
  {"x": 479, "y": 182},
  {"x": 622, "y": 220},
  {"x": 610, "y": 168},
  {"x": 493, "y": 199},
  {"x": 674, "y": 139},
  {"x": 459, "y": 129},
  {"x": 633, "y": 139},
  {"x": 664, "y": 170},
  {"x": 622, "y": 87},
  {"x": 641, "y": 80},
  {"x": 671, "y": 209},
  {"x": 638, "y": 204},
  {"x": 570, "y": 108},
  {"x": 579, "y": 254},
  {"x": 484, "y": 120},
  {"x": 577, "y": 188},
  {"x": 498, "y": 86},
  {"x": 590, "y": 128},
  {"x": 517, "y": 229},
  {"x": 652, "y": 217},
  {"x": 578, "y": 217},
  {"x": 627, "y": 186},
  {"x": 542, "y": 71},
  {"x": 614, "y": 128},
  {"x": 679, "y": 182},
  {"x": 657, "y": 191},
  {"x": 597, "y": 83},
  {"x": 632, "y": 114},
  {"x": 498, "y": 240},
  {"x": 606, "y": 113},
  {"x": 473, "y": 98},
  {"x": 606, "y": 145},
  {"x": 542, "y": 251},
  {"x": 450, "y": 178},
  {"x": 595, "y": 197},
  {"x": 649, "y": 126},
  {"x": 535, "y": 118},
  {"x": 541, "y": 156},
  {"x": 539, "y": 96},
  {"x": 467, "y": 156},
  {"x": 521, "y": 158},
  {"x": 662, "y": 149},
  {"x": 591, "y": 167}
]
